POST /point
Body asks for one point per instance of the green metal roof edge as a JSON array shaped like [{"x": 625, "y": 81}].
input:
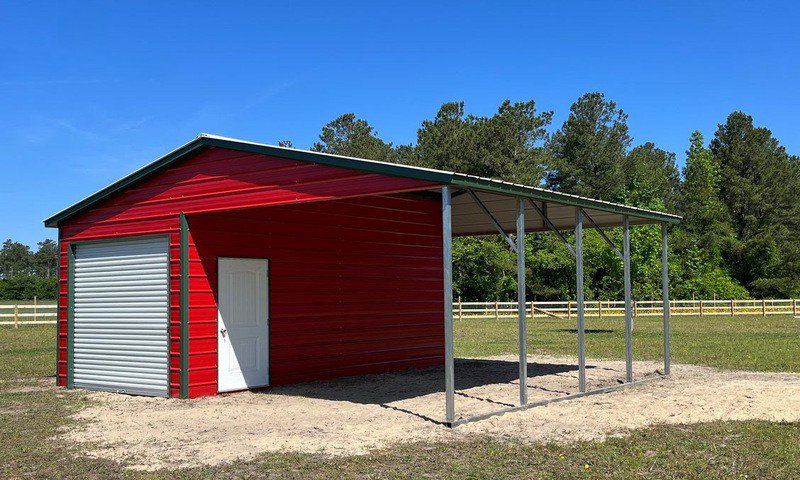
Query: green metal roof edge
[
  {"x": 370, "y": 166},
  {"x": 179, "y": 153},
  {"x": 440, "y": 177},
  {"x": 351, "y": 163}
]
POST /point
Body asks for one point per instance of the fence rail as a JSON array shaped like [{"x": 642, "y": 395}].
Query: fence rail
[
  {"x": 45, "y": 313},
  {"x": 34, "y": 313},
  {"x": 641, "y": 308}
]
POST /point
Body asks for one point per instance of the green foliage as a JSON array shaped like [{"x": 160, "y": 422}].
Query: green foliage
[
  {"x": 506, "y": 145},
  {"x": 759, "y": 185},
  {"x": 588, "y": 152},
  {"x": 551, "y": 268},
  {"x": 45, "y": 260},
  {"x": 25, "y": 287},
  {"x": 15, "y": 259},
  {"x": 706, "y": 224},
  {"x": 353, "y": 137},
  {"x": 492, "y": 278},
  {"x": 651, "y": 178},
  {"x": 741, "y": 218},
  {"x": 24, "y": 275}
]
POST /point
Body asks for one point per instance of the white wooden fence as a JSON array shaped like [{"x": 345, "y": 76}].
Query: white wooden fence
[
  {"x": 36, "y": 313},
  {"x": 641, "y": 308},
  {"x": 33, "y": 313}
]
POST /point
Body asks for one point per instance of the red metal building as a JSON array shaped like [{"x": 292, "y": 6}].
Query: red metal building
[{"x": 228, "y": 265}]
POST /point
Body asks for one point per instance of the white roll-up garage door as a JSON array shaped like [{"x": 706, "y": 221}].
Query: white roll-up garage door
[{"x": 121, "y": 316}]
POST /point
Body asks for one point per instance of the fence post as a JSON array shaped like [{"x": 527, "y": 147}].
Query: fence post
[
  {"x": 34, "y": 308},
  {"x": 533, "y": 312},
  {"x": 599, "y": 309},
  {"x": 16, "y": 316},
  {"x": 497, "y": 310},
  {"x": 733, "y": 303},
  {"x": 763, "y": 307},
  {"x": 569, "y": 310},
  {"x": 635, "y": 308},
  {"x": 794, "y": 307},
  {"x": 460, "y": 308},
  {"x": 701, "y": 308}
]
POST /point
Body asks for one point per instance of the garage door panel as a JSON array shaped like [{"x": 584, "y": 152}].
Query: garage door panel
[
  {"x": 123, "y": 317},
  {"x": 120, "y": 290},
  {"x": 131, "y": 280},
  {"x": 90, "y": 359},
  {"x": 121, "y": 308}
]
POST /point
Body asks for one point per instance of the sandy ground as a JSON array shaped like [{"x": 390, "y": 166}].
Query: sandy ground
[{"x": 359, "y": 414}]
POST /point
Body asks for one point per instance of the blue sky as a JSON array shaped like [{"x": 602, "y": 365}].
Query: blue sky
[{"x": 91, "y": 91}]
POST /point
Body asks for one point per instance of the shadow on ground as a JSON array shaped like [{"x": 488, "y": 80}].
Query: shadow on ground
[
  {"x": 388, "y": 388},
  {"x": 588, "y": 330}
]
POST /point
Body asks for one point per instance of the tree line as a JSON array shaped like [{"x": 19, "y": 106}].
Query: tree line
[
  {"x": 737, "y": 194},
  {"x": 25, "y": 274}
]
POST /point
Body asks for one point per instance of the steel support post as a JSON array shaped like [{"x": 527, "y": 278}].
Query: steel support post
[
  {"x": 626, "y": 261},
  {"x": 665, "y": 292},
  {"x": 579, "y": 285},
  {"x": 447, "y": 254},
  {"x": 523, "y": 330}
]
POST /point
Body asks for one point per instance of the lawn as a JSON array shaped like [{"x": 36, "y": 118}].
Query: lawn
[
  {"x": 740, "y": 343},
  {"x": 29, "y": 420}
]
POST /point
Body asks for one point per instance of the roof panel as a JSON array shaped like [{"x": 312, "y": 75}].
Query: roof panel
[{"x": 504, "y": 190}]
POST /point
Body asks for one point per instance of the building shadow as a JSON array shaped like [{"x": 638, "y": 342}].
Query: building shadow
[{"x": 385, "y": 389}]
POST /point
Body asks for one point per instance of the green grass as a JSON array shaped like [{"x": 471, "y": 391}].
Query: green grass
[
  {"x": 741, "y": 343},
  {"x": 28, "y": 351},
  {"x": 30, "y": 420}
]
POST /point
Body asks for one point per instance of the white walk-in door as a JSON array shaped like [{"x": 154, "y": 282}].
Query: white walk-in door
[
  {"x": 121, "y": 316},
  {"x": 242, "y": 337}
]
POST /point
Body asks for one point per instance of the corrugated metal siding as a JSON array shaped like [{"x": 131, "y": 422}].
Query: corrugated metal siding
[
  {"x": 121, "y": 316},
  {"x": 215, "y": 179},
  {"x": 355, "y": 286}
]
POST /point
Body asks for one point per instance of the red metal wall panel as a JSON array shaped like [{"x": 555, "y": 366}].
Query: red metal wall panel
[
  {"x": 214, "y": 180},
  {"x": 355, "y": 286}
]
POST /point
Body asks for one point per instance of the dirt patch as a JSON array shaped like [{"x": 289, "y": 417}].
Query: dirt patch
[{"x": 359, "y": 414}]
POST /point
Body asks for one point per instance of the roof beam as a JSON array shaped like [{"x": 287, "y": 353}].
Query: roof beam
[
  {"x": 497, "y": 225},
  {"x": 546, "y": 220},
  {"x": 603, "y": 234}
]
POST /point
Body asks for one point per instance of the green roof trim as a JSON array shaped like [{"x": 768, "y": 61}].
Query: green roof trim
[{"x": 204, "y": 141}]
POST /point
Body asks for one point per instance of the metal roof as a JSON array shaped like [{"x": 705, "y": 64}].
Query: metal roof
[{"x": 493, "y": 191}]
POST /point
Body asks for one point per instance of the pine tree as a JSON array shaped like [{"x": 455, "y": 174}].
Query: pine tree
[{"x": 588, "y": 152}]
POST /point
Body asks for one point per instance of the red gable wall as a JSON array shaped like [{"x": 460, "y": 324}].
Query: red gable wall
[{"x": 214, "y": 180}]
